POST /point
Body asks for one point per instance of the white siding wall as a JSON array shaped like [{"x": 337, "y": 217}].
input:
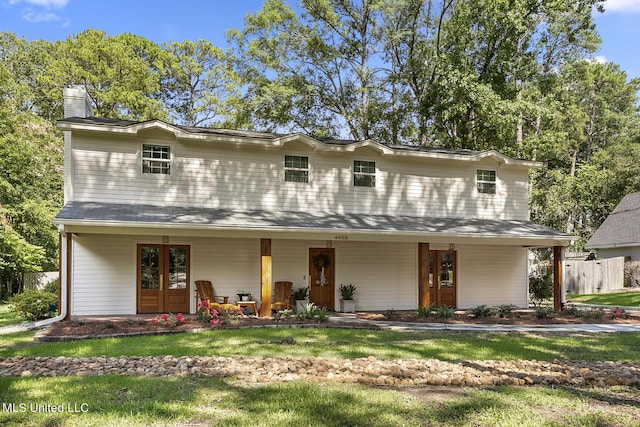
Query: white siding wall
[
  {"x": 104, "y": 275},
  {"x": 221, "y": 175},
  {"x": 384, "y": 273},
  {"x": 231, "y": 264},
  {"x": 492, "y": 275}
]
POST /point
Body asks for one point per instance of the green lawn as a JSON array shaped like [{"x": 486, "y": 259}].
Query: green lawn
[
  {"x": 343, "y": 343},
  {"x": 132, "y": 401},
  {"x": 7, "y": 317},
  {"x": 628, "y": 299}
]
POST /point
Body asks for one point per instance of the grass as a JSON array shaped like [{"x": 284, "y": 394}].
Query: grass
[
  {"x": 137, "y": 401},
  {"x": 7, "y": 317},
  {"x": 342, "y": 343},
  {"x": 628, "y": 299},
  {"x": 129, "y": 401}
]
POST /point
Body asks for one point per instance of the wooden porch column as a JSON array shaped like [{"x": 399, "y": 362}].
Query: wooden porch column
[
  {"x": 69, "y": 266},
  {"x": 424, "y": 294},
  {"x": 265, "y": 277},
  {"x": 557, "y": 278}
]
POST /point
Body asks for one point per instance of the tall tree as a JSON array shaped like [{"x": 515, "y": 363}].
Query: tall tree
[
  {"x": 440, "y": 72},
  {"x": 315, "y": 72},
  {"x": 120, "y": 73},
  {"x": 30, "y": 194},
  {"x": 591, "y": 145},
  {"x": 200, "y": 85}
]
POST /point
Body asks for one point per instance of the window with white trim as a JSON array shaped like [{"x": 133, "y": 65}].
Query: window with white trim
[
  {"x": 364, "y": 173},
  {"x": 296, "y": 168},
  {"x": 486, "y": 181},
  {"x": 156, "y": 159}
]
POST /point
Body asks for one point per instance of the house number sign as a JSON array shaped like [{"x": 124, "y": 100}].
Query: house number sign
[{"x": 340, "y": 237}]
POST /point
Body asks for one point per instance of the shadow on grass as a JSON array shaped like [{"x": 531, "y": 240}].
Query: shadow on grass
[
  {"x": 208, "y": 401},
  {"x": 351, "y": 344}
]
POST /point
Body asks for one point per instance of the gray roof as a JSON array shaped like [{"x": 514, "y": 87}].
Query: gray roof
[
  {"x": 110, "y": 214},
  {"x": 98, "y": 121},
  {"x": 622, "y": 226}
]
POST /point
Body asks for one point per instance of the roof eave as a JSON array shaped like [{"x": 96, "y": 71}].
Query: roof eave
[{"x": 531, "y": 240}]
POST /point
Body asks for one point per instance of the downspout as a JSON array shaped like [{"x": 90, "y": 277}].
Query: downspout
[{"x": 65, "y": 281}]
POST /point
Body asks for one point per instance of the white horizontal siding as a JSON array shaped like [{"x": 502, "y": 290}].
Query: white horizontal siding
[
  {"x": 220, "y": 175},
  {"x": 104, "y": 271},
  {"x": 104, "y": 275},
  {"x": 385, "y": 274},
  {"x": 492, "y": 275},
  {"x": 230, "y": 264}
]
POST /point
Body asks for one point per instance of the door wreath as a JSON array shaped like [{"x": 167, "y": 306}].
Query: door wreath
[{"x": 321, "y": 261}]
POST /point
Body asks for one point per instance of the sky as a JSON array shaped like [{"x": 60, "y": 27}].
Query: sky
[{"x": 175, "y": 20}]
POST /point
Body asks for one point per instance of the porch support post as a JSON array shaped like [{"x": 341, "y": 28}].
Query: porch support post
[
  {"x": 424, "y": 294},
  {"x": 557, "y": 278},
  {"x": 265, "y": 277},
  {"x": 68, "y": 266}
]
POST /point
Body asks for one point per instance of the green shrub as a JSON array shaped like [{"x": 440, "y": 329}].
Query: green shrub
[
  {"x": 505, "y": 310},
  {"x": 571, "y": 309},
  {"x": 545, "y": 312},
  {"x": 312, "y": 311},
  {"x": 34, "y": 305},
  {"x": 423, "y": 311},
  {"x": 51, "y": 287},
  {"x": 591, "y": 313},
  {"x": 481, "y": 311},
  {"x": 444, "y": 311},
  {"x": 540, "y": 287}
]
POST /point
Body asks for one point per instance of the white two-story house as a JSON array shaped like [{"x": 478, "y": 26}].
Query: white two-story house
[{"x": 151, "y": 207}]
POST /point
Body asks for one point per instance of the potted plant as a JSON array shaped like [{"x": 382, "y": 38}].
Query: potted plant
[
  {"x": 244, "y": 295},
  {"x": 301, "y": 297},
  {"x": 347, "y": 301}
]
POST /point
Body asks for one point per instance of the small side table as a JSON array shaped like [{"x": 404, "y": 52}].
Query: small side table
[{"x": 252, "y": 304}]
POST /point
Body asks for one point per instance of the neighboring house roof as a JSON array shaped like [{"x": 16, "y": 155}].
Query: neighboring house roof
[
  {"x": 622, "y": 226},
  {"x": 92, "y": 214},
  {"x": 96, "y": 124}
]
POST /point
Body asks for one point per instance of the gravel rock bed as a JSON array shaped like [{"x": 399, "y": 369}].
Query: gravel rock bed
[{"x": 364, "y": 370}]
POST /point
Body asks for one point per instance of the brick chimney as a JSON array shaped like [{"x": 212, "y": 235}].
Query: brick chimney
[{"x": 76, "y": 102}]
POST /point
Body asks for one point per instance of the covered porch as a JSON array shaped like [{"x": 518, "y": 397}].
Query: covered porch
[{"x": 390, "y": 259}]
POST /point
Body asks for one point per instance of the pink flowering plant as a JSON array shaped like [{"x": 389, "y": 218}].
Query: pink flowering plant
[
  {"x": 168, "y": 319},
  {"x": 619, "y": 313},
  {"x": 215, "y": 314}
]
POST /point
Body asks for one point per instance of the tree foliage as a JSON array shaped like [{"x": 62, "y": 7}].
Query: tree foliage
[
  {"x": 121, "y": 74},
  {"x": 199, "y": 85}
]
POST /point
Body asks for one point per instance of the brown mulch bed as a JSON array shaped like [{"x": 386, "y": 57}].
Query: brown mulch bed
[
  {"x": 120, "y": 326},
  {"x": 517, "y": 317},
  {"x": 138, "y": 325}
]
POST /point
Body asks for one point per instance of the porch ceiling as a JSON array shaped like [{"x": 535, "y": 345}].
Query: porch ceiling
[{"x": 177, "y": 220}]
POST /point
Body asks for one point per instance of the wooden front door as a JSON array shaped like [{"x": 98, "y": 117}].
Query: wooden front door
[
  {"x": 163, "y": 279},
  {"x": 322, "y": 277},
  {"x": 442, "y": 277}
]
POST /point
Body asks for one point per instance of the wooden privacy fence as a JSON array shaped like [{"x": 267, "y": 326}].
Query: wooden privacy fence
[
  {"x": 594, "y": 277},
  {"x": 38, "y": 280}
]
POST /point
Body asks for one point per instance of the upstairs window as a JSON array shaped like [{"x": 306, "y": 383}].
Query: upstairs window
[
  {"x": 364, "y": 173},
  {"x": 296, "y": 169},
  {"x": 486, "y": 181},
  {"x": 156, "y": 159}
]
